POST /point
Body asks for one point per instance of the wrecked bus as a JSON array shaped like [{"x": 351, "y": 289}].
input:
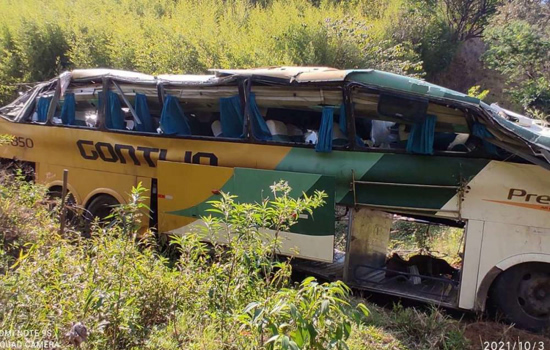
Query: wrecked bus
[{"x": 382, "y": 147}]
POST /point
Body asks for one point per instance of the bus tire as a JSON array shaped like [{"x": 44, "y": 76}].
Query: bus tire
[
  {"x": 101, "y": 206},
  {"x": 521, "y": 295}
]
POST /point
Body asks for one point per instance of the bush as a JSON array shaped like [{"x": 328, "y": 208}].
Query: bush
[
  {"x": 518, "y": 47},
  {"x": 37, "y": 41},
  {"x": 116, "y": 291}
]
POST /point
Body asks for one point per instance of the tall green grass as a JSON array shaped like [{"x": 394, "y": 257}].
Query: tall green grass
[{"x": 38, "y": 39}]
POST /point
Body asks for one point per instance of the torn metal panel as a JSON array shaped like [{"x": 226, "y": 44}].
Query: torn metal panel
[
  {"x": 99, "y": 73},
  {"x": 525, "y": 128}
]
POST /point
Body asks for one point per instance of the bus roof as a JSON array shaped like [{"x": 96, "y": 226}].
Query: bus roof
[
  {"x": 98, "y": 73},
  {"x": 533, "y": 133},
  {"x": 292, "y": 74},
  {"x": 365, "y": 76}
]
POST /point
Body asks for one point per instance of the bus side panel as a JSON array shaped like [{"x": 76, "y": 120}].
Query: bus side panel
[
  {"x": 516, "y": 194},
  {"x": 185, "y": 189},
  {"x": 470, "y": 267},
  {"x": 502, "y": 241},
  {"x": 84, "y": 184}
]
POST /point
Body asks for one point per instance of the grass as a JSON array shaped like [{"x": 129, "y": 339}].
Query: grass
[{"x": 129, "y": 296}]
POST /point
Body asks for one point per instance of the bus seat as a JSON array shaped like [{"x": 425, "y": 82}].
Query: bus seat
[
  {"x": 278, "y": 130},
  {"x": 459, "y": 143},
  {"x": 80, "y": 122},
  {"x": 130, "y": 124},
  {"x": 68, "y": 109},
  {"x": 217, "y": 128},
  {"x": 338, "y": 137},
  {"x": 142, "y": 110},
  {"x": 172, "y": 119},
  {"x": 231, "y": 117},
  {"x": 381, "y": 135},
  {"x": 295, "y": 134},
  {"x": 115, "y": 116}
]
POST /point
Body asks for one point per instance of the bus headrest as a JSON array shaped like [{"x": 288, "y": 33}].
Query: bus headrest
[
  {"x": 293, "y": 130},
  {"x": 217, "y": 128},
  {"x": 276, "y": 127},
  {"x": 337, "y": 134}
]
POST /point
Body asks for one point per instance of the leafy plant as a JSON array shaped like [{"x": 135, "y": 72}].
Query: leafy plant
[
  {"x": 475, "y": 91},
  {"x": 520, "y": 51},
  {"x": 314, "y": 316}
]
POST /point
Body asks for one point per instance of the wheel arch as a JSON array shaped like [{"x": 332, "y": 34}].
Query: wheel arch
[
  {"x": 102, "y": 191},
  {"x": 490, "y": 277},
  {"x": 70, "y": 189}
]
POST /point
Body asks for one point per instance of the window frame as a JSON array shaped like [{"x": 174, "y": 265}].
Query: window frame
[
  {"x": 441, "y": 102},
  {"x": 277, "y": 82}
]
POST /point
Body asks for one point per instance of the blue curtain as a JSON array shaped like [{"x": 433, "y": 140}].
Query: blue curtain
[
  {"x": 115, "y": 117},
  {"x": 231, "y": 117},
  {"x": 68, "y": 109},
  {"x": 324, "y": 142},
  {"x": 142, "y": 110},
  {"x": 343, "y": 124},
  {"x": 259, "y": 128},
  {"x": 421, "y": 138},
  {"x": 42, "y": 109},
  {"x": 480, "y": 130},
  {"x": 343, "y": 121},
  {"x": 172, "y": 119}
]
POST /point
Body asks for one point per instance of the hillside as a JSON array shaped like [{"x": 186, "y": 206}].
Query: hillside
[{"x": 500, "y": 45}]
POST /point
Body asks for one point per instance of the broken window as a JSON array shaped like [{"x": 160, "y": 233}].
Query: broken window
[
  {"x": 202, "y": 111},
  {"x": 308, "y": 116},
  {"x": 78, "y": 106},
  {"x": 414, "y": 125}
]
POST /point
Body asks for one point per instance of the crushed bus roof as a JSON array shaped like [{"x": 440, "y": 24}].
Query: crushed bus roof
[
  {"x": 98, "y": 73},
  {"x": 497, "y": 119}
]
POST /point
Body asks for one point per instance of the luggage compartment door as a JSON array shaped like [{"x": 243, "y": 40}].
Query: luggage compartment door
[{"x": 184, "y": 190}]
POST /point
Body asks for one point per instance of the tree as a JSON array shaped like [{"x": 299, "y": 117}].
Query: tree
[
  {"x": 467, "y": 18},
  {"x": 518, "y": 41}
]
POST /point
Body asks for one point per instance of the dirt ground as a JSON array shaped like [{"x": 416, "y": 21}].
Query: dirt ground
[{"x": 496, "y": 336}]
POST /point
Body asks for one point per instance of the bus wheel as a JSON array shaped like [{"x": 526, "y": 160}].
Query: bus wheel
[
  {"x": 522, "y": 295},
  {"x": 101, "y": 207}
]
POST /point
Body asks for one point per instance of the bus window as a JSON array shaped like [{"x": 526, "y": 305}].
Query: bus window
[
  {"x": 12, "y": 110},
  {"x": 203, "y": 112},
  {"x": 144, "y": 102},
  {"x": 78, "y": 106},
  {"x": 41, "y": 107},
  {"x": 410, "y": 125},
  {"x": 310, "y": 117},
  {"x": 34, "y": 104}
]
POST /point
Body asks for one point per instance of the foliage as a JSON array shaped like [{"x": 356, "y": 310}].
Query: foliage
[
  {"x": 128, "y": 296},
  {"x": 436, "y": 28},
  {"x": 475, "y": 91},
  {"x": 312, "y": 317},
  {"x": 421, "y": 330},
  {"x": 38, "y": 40},
  {"x": 519, "y": 48},
  {"x": 23, "y": 211},
  {"x": 537, "y": 114},
  {"x": 467, "y": 18},
  {"x": 408, "y": 237},
  {"x": 5, "y": 139}
]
